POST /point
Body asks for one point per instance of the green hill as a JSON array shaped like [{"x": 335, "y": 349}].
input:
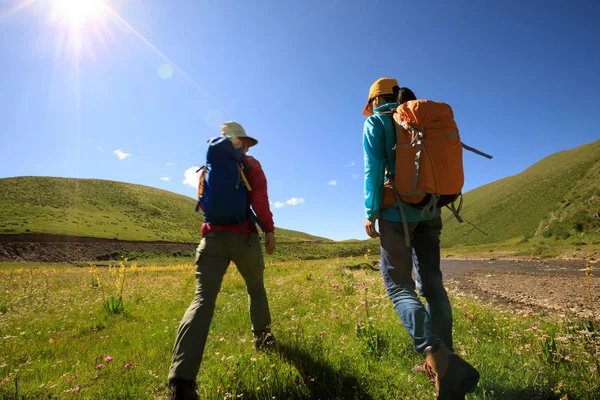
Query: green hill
[
  {"x": 104, "y": 209},
  {"x": 557, "y": 197}
]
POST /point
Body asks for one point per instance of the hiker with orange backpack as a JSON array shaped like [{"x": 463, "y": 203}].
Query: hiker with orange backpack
[
  {"x": 404, "y": 190},
  {"x": 232, "y": 188}
]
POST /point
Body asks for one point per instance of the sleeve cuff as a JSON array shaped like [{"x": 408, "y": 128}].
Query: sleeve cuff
[{"x": 373, "y": 216}]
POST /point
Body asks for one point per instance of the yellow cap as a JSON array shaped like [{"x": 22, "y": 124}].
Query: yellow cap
[{"x": 382, "y": 86}]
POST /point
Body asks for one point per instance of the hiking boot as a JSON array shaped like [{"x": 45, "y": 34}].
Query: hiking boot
[
  {"x": 463, "y": 376},
  {"x": 454, "y": 376},
  {"x": 264, "y": 341},
  {"x": 182, "y": 390}
]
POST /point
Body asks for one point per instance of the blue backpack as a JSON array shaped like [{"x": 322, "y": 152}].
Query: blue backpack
[{"x": 223, "y": 188}]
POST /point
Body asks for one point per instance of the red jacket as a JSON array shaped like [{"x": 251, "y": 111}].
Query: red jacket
[{"x": 259, "y": 200}]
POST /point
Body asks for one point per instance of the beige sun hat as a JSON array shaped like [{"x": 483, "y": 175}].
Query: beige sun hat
[{"x": 233, "y": 129}]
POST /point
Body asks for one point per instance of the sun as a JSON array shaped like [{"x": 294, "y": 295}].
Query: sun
[
  {"x": 79, "y": 12},
  {"x": 79, "y": 23}
]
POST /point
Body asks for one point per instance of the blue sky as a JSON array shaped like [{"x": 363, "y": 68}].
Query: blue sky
[{"x": 156, "y": 78}]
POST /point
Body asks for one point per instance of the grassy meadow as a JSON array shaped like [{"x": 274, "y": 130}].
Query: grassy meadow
[
  {"x": 105, "y": 329},
  {"x": 107, "y": 332}
]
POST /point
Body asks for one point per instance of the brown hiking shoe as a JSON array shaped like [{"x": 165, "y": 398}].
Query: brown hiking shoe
[
  {"x": 182, "y": 390},
  {"x": 463, "y": 377},
  {"x": 264, "y": 341},
  {"x": 454, "y": 376}
]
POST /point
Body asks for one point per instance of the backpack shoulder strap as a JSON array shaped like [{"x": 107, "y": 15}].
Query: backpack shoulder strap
[
  {"x": 200, "y": 185},
  {"x": 399, "y": 204},
  {"x": 390, "y": 113},
  {"x": 242, "y": 168}
]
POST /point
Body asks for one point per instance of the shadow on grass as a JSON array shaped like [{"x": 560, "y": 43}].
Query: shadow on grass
[
  {"x": 313, "y": 378},
  {"x": 321, "y": 379}
]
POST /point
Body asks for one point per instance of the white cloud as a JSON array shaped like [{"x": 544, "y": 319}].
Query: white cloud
[
  {"x": 294, "y": 201},
  {"x": 352, "y": 164},
  {"x": 332, "y": 183},
  {"x": 99, "y": 148},
  {"x": 191, "y": 177},
  {"x": 165, "y": 178},
  {"x": 279, "y": 204},
  {"x": 121, "y": 154},
  {"x": 355, "y": 176},
  {"x": 170, "y": 164}
]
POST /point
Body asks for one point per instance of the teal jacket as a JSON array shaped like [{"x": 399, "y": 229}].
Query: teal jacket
[{"x": 379, "y": 138}]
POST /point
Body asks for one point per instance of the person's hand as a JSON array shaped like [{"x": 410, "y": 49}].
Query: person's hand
[
  {"x": 270, "y": 243},
  {"x": 371, "y": 229}
]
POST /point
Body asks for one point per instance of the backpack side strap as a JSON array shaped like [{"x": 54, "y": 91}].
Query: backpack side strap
[
  {"x": 474, "y": 150},
  {"x": 456, "y": 210},
  {"x": 430, "y": 208},
  {"x": 400, "y": 207}
]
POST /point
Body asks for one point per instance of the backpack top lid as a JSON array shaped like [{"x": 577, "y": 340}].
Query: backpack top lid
[
  {"x": 222, "y": 149},
  {"x": 421, "y": 113}
]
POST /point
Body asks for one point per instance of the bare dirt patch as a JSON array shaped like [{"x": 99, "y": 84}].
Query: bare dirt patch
[{"x": 560, "y": 295}]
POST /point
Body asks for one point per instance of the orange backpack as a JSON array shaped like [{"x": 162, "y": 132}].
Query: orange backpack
[{"x": 429, "y": 166}]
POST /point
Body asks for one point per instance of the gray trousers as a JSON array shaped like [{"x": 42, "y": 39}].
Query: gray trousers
[{"x": 215, "y": 252}]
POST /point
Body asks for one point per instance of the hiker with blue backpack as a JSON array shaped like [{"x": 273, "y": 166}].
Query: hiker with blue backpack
[
  {"x": 233, "y": 197},
  {"x": 413, "y": 166}
]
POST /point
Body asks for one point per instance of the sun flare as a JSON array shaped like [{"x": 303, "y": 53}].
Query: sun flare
[
  {"x": 88, "y": 29},
  {"x": 79, "y": 12}
]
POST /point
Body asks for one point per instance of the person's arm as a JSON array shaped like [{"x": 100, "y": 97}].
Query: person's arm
[
  {"x": 374, "y": 151},
  {"x": 259, "y": 198}
]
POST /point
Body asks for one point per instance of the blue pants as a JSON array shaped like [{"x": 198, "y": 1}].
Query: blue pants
[{"x": 432, "y": 324}]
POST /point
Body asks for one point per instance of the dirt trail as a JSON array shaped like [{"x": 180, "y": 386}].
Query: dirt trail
[
  {"x": 37, "y": 247},
  {"x": 451, "y": 268},
  {"x": 61, "y": 248}
]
